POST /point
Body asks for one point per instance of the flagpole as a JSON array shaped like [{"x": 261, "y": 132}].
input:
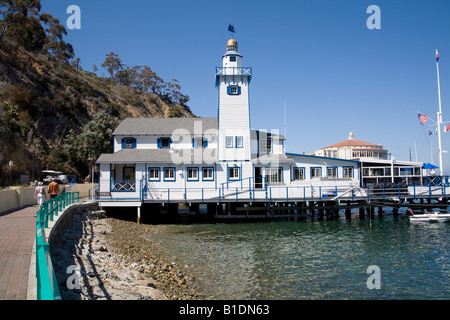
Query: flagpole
[
  {"x": 439, "y": 117},
  {"x": 285, "y": 133}
]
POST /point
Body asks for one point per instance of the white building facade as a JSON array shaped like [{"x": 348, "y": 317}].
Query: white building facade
[{"x": 167, "y": 160}]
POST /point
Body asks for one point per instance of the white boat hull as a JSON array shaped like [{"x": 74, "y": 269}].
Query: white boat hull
[{"x": 430, "y": 217}]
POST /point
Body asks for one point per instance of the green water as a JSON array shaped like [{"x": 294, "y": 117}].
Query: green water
[{"x": 313, "y": 260}]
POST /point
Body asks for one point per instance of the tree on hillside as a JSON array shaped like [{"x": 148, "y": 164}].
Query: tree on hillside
[
  {"x": 143, "y": 78},
  {"x": 19, "y": 6},
  {"x": 94, "y": 139},
  {"x": 128, "y": 76},
  {"x": 112, "y": 63},
  {"x": 54, "y": 43},
  {"x": 25, "y": 31},
  {"x": 20, "y": 23}
]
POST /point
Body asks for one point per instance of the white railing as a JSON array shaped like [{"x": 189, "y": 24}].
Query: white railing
[{"x": 246, "y": 191}]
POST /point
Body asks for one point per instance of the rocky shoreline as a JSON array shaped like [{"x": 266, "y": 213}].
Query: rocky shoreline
[{"x": 110, "y": 259}]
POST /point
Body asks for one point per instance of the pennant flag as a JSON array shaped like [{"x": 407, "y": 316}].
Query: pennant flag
[
  {"x": 437, "y": 55},
  {"x": 447, "y": 128},
  {"x": 231, "y": 29},
  {"x": 422, "y": 118}
]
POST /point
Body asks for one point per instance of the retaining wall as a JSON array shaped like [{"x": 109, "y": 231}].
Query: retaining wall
[
  {"x": 55, "y": 230},
  {"x": 18, "y": 197}
]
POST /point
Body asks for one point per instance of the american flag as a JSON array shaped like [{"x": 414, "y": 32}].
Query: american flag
[
  {"x": 422, "y": 118},
  {"x": 437, "y": 55}
]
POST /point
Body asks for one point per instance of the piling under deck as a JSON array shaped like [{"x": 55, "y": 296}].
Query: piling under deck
[{"x": 253, "y": 204}]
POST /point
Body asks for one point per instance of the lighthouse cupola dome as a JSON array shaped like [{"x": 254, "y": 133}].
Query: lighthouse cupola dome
[{"x": 232, "y": 45}]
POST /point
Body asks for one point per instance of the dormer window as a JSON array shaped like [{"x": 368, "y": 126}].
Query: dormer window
[
  {"x": 164, "y": 143},
  {"x": 199, "y": 142},
  {"x": 128, "y": 143}
]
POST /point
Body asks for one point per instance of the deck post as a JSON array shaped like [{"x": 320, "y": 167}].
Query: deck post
[
  {"x": 320, "y": 207},
  {"x": 348, "y": 213},
  {"x": 335, "y": 211},
  {"x": 172, "y": 209},
  {"x": 138, "y": 215},
  {"x": 194, "y": 207},
  {"x": 395, "y": 212},
  {"x": 211, "y": 209},
  {"x": 361, "y": 213},
  {"x": 380, "y": 211},
  {"x": 311, "y": 208}
]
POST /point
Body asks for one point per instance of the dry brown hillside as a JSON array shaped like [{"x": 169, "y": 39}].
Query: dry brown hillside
[{"x": 42, "y": 99}]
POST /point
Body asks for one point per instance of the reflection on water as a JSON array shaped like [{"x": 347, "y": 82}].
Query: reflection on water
[{"x": 313, "y": 260}]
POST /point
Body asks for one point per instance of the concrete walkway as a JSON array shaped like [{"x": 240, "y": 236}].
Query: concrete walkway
[{"x": 17, "y": 237}]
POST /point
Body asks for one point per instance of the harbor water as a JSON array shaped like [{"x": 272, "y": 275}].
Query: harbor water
[{"x": 296, "y": 260}]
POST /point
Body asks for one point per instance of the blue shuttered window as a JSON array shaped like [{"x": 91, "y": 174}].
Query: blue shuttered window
[
  {"x": 234, "y": 90},
  {"x": 199, "y": 142},
  {"x": 164, "y": 143},
  {"x": 128, "y": 143}
]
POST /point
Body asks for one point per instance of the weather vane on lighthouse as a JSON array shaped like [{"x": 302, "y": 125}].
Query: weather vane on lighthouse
[{"x": 231, "y": 29}]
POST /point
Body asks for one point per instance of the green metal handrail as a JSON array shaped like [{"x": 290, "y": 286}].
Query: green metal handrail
[{"x": 47, "y": 286}]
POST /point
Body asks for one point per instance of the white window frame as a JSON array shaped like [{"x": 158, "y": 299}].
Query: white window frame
[
  {"x": 171, "y": 174},
  {"x": 239, "y": 142},
  {"x": 234, "y": 173},
  {"x": 274, "y": 175},
  {"x": 265, "y": 145},
  {"x": 333, "y": 171},
  {"x": 209, "y": 176},
  {"x": 348, "y": 172},
  {"x": 192, "y": 174},
  {"x": 153, "y": 174},
  {"x": 297, "y": 174},
  {"x": 228, "y": 142},
  {"x": 316, "y": 173}
]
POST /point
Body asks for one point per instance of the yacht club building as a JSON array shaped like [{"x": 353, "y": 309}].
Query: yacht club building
[{"x": 173, "y": 160}]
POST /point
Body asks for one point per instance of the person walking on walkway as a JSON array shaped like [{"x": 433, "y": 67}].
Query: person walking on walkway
[
  {"x": 53, "y": 189},
  {"x": 40, "y": 194}
]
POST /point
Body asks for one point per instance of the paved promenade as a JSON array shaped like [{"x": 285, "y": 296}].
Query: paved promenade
[{"x": 17, "y": 236}]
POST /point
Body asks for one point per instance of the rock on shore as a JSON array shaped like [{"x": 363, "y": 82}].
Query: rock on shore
[{"x": 111, "y": 259}]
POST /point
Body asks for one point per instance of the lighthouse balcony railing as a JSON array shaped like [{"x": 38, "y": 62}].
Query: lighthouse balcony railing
[{"x": 234, "y": 71}]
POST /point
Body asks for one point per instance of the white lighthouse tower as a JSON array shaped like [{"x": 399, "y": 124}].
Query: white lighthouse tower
[{"x": 232, "y": 80}]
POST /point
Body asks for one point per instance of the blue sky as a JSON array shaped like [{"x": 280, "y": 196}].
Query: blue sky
[{"x": 316, "y": 57}]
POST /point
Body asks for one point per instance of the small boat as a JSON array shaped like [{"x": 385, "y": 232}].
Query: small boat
[{"x": 428, "y": 217}]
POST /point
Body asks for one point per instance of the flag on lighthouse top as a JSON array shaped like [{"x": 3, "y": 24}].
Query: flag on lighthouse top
[
  {"x": 231, "y": 29},
  {"x": 437, "y": 55}
]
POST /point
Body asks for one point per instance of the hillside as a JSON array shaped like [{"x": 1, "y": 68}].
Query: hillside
[{"x": 42, "y": 99}]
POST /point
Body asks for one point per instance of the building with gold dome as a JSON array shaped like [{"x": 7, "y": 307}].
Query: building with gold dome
[
  {"x": 376, "y": 164},
  {"x": 354, "y": 149}
]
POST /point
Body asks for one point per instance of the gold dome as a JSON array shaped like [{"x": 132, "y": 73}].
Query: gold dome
[{"x": 232, "y": 42}]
